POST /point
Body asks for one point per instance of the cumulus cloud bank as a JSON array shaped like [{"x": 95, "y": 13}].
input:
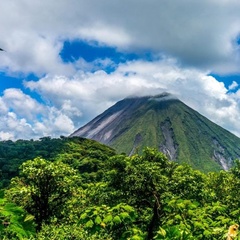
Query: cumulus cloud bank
[
  {"x": 87, "y": 94},
  {"x": 22, "y": 117}
]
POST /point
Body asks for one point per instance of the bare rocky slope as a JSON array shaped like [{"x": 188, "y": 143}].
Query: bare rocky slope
[{"x": 165, "y": 123}]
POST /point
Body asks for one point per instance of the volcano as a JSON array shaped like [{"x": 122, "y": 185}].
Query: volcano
[{"x": 167, "y": 124}]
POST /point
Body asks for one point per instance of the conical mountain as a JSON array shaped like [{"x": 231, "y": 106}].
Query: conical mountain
[{"x": 165, "y": 123}]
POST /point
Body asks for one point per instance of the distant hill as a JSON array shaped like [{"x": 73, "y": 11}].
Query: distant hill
[
  {"x": 82, "y": 154},
  {"x": 165, "y": 123}
]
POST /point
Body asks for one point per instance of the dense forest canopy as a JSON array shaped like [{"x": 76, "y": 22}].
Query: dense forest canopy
[
  {"x": 13, "y": 154},
  {"x": 74, "y": 188}
]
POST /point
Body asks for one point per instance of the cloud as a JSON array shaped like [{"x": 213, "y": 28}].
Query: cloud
[
  {"x": 21, "y": 104},
  {"x": 87, "y": 94},
  {"x": 54, "y": 124},
  {"x": 233, "y": 86},
  {"x": 14, "y": 127},
  {"x": 22, "y": 117},
  {"x": 198, "y": 33},
  {"x": 28, "y": 52},
  {"x": 69, "y": 102}
]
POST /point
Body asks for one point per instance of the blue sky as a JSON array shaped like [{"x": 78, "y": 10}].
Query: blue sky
[{"x": 65, "y": 63}]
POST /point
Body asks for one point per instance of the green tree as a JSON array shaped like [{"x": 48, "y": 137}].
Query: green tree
[
  {"x": 142, "y": 182},
  {"x": 168, "y": 196},
  {"x": 187, "y": 183},
  {"x": 43, "y": 188}
]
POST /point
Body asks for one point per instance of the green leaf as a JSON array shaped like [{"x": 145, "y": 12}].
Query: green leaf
[
  {"x": 135, "y": 237},
  {"x": 124, "y": 215},
  {"x": 89, "y": 224},
  {"x": 117, "y": 219},
  {"x": 161, "y": 232},
  {"x": 108, "y": 218},
  {"x": 128, "y": 208},
  {"x": 83, "y": 216},
  {"x": 98, "y": 220},
  {"x": 28, "y": 218}
]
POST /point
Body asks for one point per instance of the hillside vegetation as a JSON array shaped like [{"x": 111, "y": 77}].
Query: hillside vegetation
[
  {"x": 74, "y": 188},
  {"x": 13, "y": 154}
]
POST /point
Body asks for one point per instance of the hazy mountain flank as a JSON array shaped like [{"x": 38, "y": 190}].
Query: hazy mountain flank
[{"x": 165, "y": 123}]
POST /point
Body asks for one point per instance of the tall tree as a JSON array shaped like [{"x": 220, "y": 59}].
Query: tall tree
[{"x": 43, "y": 188}]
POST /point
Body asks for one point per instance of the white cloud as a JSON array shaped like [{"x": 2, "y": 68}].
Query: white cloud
[
  {"x": 21, "y": 104},
  {"x": 23, "y": 117},
  {"x": 13, "y": 127},
  {"x": 87, "y": 94},
  {"x": 6, "y": 136},
  {"x": 233, "y": 86},
  {"x": 28, "y": 52},
  {"x": 54, "y": 124},
  {"x": 71, "y": 102},
  {"x": 3, "y": 107}
]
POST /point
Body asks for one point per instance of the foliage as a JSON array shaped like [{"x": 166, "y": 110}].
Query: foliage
[
  {"x": 43, "y": 187},
  {"x": 72, "y": 150},
  {"x": 69, "y": 232},
  {"x": 15, "y": 223},
  {"x": 88, "y": 192},
  {"x": 173, "y": 233},
  {"x": 117, "y": 221}
]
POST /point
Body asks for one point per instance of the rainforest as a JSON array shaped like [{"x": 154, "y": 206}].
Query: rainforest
[{"x": 75, "y": 188}]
